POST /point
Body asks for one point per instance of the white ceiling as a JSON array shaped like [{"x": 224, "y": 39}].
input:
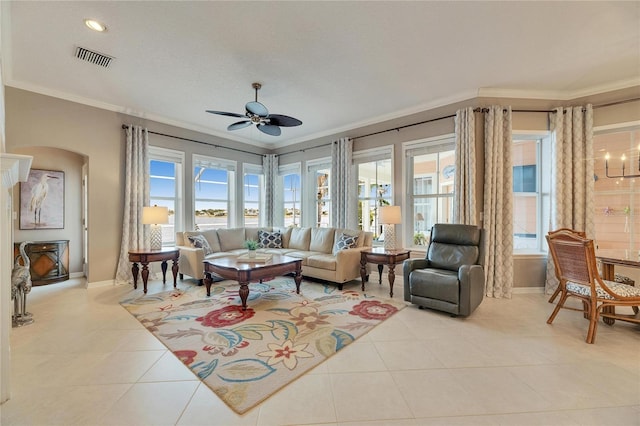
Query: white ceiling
[{"x": 334, "y": 65}]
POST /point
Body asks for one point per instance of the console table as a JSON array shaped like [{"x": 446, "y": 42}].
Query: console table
[
  {"x": 145, "y": 256},
  {"x": 49, "y": 260}
]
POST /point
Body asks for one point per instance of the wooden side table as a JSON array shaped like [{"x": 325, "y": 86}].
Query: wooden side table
[
  {"x": 146, "y": 256},
  {"x": 382, "y": 257}
]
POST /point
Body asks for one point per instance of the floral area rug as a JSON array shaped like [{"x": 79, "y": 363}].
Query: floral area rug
[{"x": 246, "y": 356}]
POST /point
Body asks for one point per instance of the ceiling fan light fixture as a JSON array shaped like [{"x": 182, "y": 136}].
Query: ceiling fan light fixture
[
  {"x": 95, "y": 25},
  {"x": 258, "y": 114}
]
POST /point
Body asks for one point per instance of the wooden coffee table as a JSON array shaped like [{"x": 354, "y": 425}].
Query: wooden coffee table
[{"x": 229, "y": 268}]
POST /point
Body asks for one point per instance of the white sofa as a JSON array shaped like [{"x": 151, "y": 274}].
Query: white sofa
[{"x": 317, "y": 248}]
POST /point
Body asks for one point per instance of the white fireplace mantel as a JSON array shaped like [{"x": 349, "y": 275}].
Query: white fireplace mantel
[{"x": 14, "y": 168}]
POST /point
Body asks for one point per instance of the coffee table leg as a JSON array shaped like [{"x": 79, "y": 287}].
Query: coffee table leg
[
  {"x": 298, "y": 279},
  {"x": 145, "y": 275},
  {"x": 134, "y": 271},
  {"x": 392, "y": 278},
  {"x": 207, "y": 282},
  {"x": 244, "y": 294},
  {"x": 380, "y": 266}
]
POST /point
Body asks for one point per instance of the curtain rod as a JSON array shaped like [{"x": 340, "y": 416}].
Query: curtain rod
[
  {"x": 483, "y": 110},
  {"x": 304, "y": 149},
  {"x": 124, "y": 126}
]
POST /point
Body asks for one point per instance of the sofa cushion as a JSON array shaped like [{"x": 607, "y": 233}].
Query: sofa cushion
[
  {"x": 211, "y": 235},
  {"x": 230, "y": 239},
  {"x": 252, "y": 233},
  {"x": 344, "y": 242},
  {"x": 321, "y": 240},
  {"x": 268, "y": 239},
  {"x": 353, "y": 233},
  {"x": 200, "y": 241},
  {"x": 322, "y": 261},
  {"x": 300, "y": 238}
]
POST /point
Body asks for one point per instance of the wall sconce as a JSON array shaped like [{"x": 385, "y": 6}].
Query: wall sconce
[
  {"x": 155, "y": 216},
  {"x": 389, "y": 216}
]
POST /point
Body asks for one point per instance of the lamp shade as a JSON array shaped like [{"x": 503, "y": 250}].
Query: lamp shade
[
  {"x": 155, "y": 215},
  {"x": 389, "y": 215}
]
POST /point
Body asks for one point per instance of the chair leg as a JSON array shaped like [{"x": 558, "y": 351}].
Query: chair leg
[
  {"x": 560, "y": 304},
  {"x": 593, "y": 325},
  {"x": 555, "y": 294}
]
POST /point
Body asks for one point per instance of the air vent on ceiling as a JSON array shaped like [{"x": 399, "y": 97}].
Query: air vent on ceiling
[{"x": 93, "y": 57}]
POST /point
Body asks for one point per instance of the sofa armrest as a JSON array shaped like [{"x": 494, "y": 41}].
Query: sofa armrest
[
  {"x": 191, "y": 259},
  {"x": 348, "y": 263},
  {"x": 408, "y": 266},
  {"x": 471, "y": 279}
]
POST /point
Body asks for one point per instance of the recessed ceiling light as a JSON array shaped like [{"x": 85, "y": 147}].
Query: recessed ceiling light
[{"x": 95, "y": 25}]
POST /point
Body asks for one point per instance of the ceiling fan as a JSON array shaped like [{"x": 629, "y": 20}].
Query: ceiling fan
[{"x": 258, "y": 114}]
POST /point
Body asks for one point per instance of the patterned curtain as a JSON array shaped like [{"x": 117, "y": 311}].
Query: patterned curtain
[
  {"x": 270, "y": 170},
  {"x": 572, "y": 182},
  {"x": 136, "y": 196},
  {"x": 342, "y": 188},
  {"x": 464, "y": 202},
  {"x": 498, "y": 203}
]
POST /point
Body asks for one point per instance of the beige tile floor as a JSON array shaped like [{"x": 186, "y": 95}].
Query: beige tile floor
[{"x": 86, "y": 361}]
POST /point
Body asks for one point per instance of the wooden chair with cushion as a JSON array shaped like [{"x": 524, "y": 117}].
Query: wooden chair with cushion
[
  {"x": 575, "y": 264},
  {"x": 558, "y": 289}
]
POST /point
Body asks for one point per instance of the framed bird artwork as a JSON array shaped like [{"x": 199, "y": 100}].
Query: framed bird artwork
[{"x": 42, "y": 200}]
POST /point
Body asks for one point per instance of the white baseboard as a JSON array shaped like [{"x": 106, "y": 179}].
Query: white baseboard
[
  {"x": 76, "y": 275},
  {"x": 527, "y": 290}
]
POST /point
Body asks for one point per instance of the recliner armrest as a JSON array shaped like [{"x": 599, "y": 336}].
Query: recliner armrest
[
  {"x": 471, "y": 279},
  {"x": 408, "y": 266}
]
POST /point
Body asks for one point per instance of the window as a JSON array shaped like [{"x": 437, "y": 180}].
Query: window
[
  {"x": 214, "y": 188},
  {"x": 430, "y": 168},
  {"x": 287, "y": 196},
  {"x": 253, "y": 195},
  {"x": 531, "y": 198},
  {"x": 374, "y": 176},
  {"x": 165, "y": 188},
  {"x": 617, "y": 200},
  {"x": 319, "y": 184}
]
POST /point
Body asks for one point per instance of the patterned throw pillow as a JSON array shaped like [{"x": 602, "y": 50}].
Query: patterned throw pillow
[
  {"x": 268, "y": 239},
  {"x": 344, "y": 242},
  {"x": 201, "y": 242}
]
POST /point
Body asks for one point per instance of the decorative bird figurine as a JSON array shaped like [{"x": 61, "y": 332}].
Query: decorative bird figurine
[{"x": 20, "y": 287}]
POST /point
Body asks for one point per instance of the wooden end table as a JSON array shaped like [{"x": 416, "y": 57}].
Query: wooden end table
[
  {"x": 145, "y": 256},
  {"x": 382, "y": 257},
  {"x": 229, "y": 268}
]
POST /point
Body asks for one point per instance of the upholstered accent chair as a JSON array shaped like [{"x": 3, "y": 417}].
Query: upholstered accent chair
[
  {"x": 574, "y": 260},
  {"x": 450, "y": 278}
]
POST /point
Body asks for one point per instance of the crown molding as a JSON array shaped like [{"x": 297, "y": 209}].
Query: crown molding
[
  {"x": 133, "y": 113},
  {"x": 561, "y": 95}
]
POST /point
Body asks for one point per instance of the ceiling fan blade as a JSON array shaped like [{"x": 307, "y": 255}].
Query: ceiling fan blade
[
  {"x": 228, "y": 114},
  {"x": 257, "y": 108},
  {"x": 269, "y": 129},
  {"x": 239, "y": 125},
  {"x": 283, "y": 120}
]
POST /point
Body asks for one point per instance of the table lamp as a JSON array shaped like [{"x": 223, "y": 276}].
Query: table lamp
[
  {"x": 419, "y": 218},
  {"x": 389, "y": 216},
  {"x": 155, "y": 216}
]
